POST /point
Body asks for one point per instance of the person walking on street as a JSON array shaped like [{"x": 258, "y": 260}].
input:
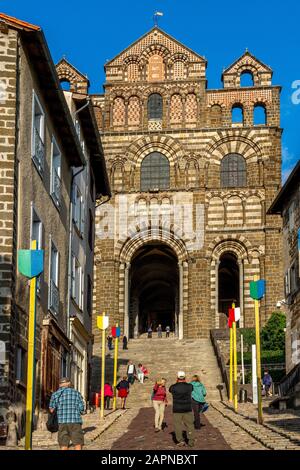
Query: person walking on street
[
  {"x": 159, "y": 400},
  {"x": 131, "y": 372},
  {"x": 125, "y": 342},
  {"x": 149, "y": 332},
  {"x": 168, "y": 329},
  {"x": 123, "y": 390},
  {"x": 182, "y": 410},
  {"x": 267, "y": 383},
  {"x": 108, "y": 394},
  {"x": 198, "y": 399},
  {"x": 159, "y": 331},
  {"x": 69, "y": 406}
]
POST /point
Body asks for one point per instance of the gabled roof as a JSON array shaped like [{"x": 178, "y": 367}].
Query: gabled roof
[
  {"x": 166, "y": 35},
  {"x": 64, "y": 61},
  {"x": 242, "y": 60},
  {"x": 286, "y": 191},
  {"x": 11, "y": 21},
  {"x": 35, "y": 44}
]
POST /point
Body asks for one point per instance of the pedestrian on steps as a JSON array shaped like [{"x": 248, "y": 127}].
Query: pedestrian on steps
[
  {"x": 183, "y": 418},
  {"x": 131, "y": 372},
  {"x": 149, "y": 332},
  {"x": 125, "y": 342},
  {"x": 109, "y": 342},
  {"x": 198, "y": 399},
  {"x": 159, "y": 400},
  {"x": 159, "y": 331},
  {"x": 168, "y": 329},
  {"x": 108, "y": 394},
  {"x": 123, "y": 390}
]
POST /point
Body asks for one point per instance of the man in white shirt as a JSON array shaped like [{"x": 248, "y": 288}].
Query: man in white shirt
[{"x": 131, "y": 372}]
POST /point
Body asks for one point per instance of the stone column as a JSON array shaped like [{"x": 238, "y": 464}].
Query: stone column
[
  {"x": 217, "y": 317},
  {"x": 126, "y": 300},
  {"x": 241, "y": 277},
  {"x": 180, "y": 313}
]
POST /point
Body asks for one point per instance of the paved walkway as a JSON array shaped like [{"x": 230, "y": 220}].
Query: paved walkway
[{"x": 135, "y": 431}]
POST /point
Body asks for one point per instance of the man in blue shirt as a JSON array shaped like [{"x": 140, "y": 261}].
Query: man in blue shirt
[{"x": 69, "y": 406}]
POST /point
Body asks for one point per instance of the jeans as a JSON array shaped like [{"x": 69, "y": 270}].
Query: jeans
[
  {"x": 131, "y": 378},
  {"x": 197, "y": 407},
  {"x": 184, "y": 421},
  {"x": 159, "y": 407},
  {"x": 106, "y": 402}
]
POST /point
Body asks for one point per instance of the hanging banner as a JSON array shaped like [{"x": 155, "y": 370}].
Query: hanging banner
[
  {"x": 102, "y": 322},
  {"x": 116, "y": 331},
  {"x": 30, "y": 262}
]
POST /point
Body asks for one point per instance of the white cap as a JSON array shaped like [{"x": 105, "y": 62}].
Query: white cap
[{"x": 181, "y": 374}]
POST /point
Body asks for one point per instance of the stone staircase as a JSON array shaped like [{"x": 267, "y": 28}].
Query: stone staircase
[{"x": 163, "y": 357}]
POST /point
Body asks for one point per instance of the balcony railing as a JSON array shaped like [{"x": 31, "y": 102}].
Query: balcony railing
[
  {"x": 56, "y": 187},
  {"x": 54, "y": 298},
  {"x": 38, "y": 151}
]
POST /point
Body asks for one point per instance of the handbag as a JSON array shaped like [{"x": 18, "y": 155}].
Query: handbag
[{"x": 52, "y": 422}]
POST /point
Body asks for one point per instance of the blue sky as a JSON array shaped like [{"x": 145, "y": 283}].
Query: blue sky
[{"x": 89, "y": 33}]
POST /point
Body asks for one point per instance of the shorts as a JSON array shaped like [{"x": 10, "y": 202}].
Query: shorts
[{"x": 70, "y": 432}]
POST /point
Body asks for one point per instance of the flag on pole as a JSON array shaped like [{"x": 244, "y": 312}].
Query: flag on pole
[
  {"x": 102, "y": 322},
  {"x": 159, "y": 13},
  {"x": 234, "y": 315}
]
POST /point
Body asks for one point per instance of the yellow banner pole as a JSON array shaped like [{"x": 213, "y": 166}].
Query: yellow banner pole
[
  {"x": 102, "y": 372},
  {"x": 258, "y": 359},
  {"x": 230, "y": 366},
  {"x": 235, "y": 401},
  {"x": 115, "y": 370},
  {"x": 30, "y": 385}
]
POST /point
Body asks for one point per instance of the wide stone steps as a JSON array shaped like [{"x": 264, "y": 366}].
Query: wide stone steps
[{"x": 164, "y": 357}]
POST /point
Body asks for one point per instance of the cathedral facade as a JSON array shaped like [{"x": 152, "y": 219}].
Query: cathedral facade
[{"x": 193, "y": 171}]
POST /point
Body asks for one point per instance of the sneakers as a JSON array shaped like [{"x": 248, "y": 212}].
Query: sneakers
[
  {"x": 157, "y": 429},
  {"x": 180, "y": 444}
]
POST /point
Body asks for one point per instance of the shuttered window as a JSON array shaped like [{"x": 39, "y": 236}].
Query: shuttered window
[
  {"x": 155, "y": 172},
  {"x": 155, "y": 106},
  {"x": 233, "y": 171}
]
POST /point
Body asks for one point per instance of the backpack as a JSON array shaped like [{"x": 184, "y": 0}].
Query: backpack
[{"x": 52, "y": 422}]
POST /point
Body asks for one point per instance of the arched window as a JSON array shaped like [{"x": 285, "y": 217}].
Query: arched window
[
  {"x": 246, "y": 79},
  {"x": 155, "y": 172},
  {"x": 233, "y": 171},
  {"x": 259, "y": 115},
  {"x": 66, "y": 85},
  {"x": 237, "y": 114},
  {"x": 155, "y": 106}
]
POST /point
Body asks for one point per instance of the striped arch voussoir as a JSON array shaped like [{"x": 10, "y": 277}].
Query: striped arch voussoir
[
  {"x": 142, "y": 147},
  {"x": 238, "y": 245}
]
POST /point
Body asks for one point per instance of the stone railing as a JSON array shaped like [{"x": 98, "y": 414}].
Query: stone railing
[{"x": 216, "y": 336}]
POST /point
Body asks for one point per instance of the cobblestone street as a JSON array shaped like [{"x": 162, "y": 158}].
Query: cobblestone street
[{"x": 135, "y": 431}]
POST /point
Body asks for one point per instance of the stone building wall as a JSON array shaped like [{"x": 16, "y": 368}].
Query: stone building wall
[
  {"x": 195, "y": 133},
  {"x": 8, "y": 179}
]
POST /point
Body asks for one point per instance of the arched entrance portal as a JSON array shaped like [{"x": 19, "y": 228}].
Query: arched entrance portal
[
  {"x": 154, "y": 289},
  {"x": 229, "y": 282}
]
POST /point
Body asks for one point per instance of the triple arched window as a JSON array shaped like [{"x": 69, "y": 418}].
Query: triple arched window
[
  {"x": 155, "y": 172},
  {"x": 233, "y": 171},
  {"x": 155, "y": 106}
]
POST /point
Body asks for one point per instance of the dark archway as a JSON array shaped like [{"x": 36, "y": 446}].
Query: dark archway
[
  {"x": 229, "y": 284},
  {"x": 154, "y": 289}
]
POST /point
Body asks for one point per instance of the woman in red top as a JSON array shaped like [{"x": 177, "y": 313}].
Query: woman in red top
[
  {"x": 108, "y": 394},
  {"x": 159, "y": 400}
]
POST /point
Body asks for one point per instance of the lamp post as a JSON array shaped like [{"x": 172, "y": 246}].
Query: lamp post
[{"x": 31, "y": 265}]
